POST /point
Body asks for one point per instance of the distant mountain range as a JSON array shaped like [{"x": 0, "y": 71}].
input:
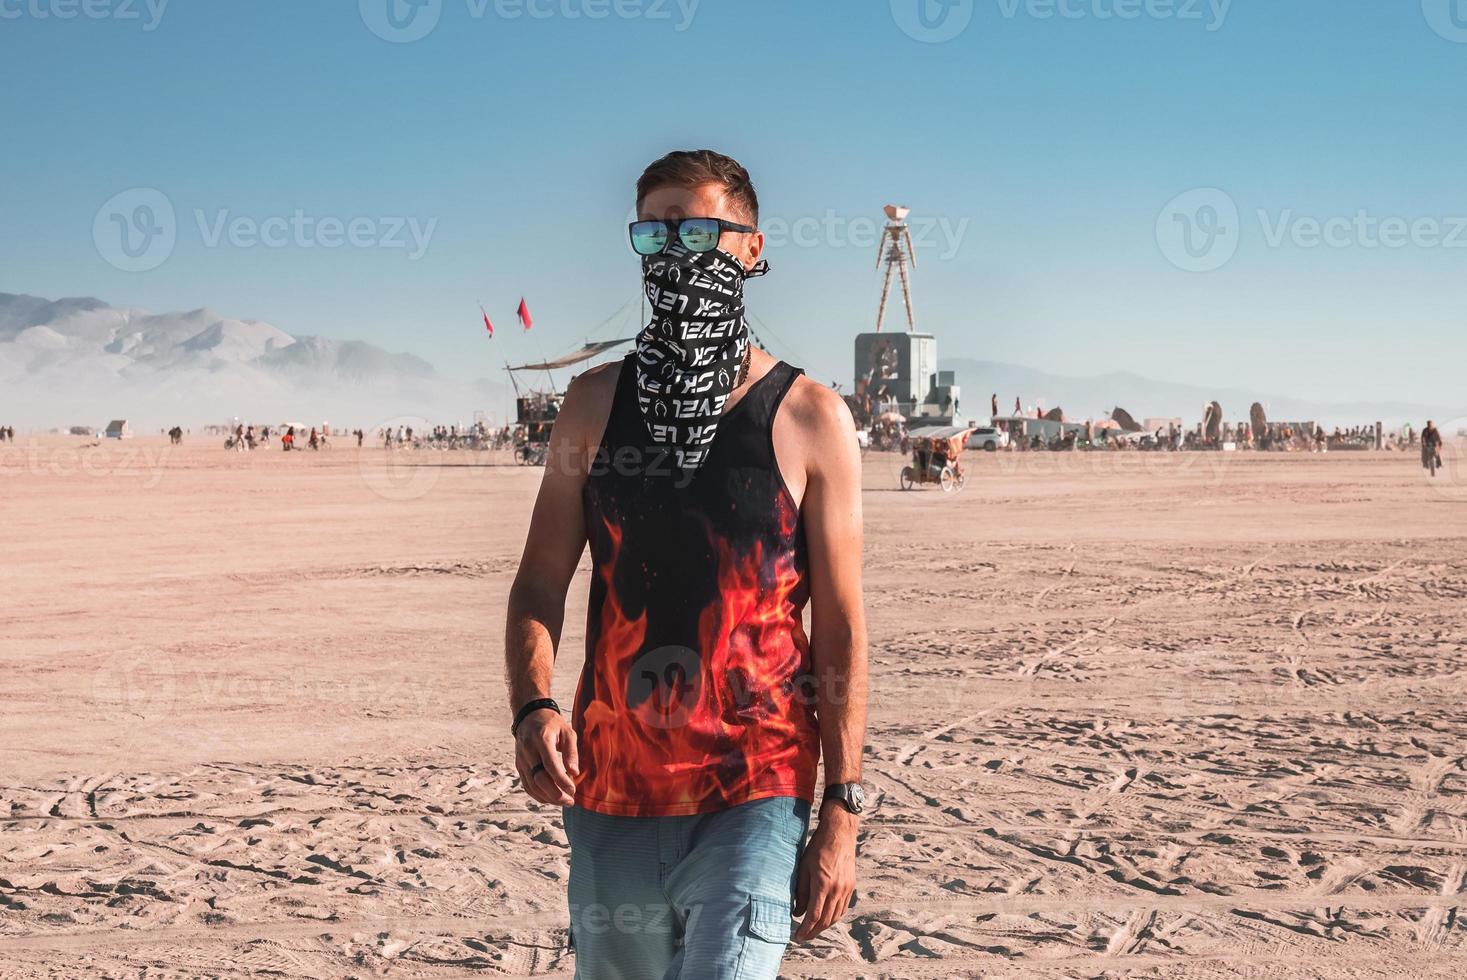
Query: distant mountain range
[
  {"x": 1096, "y": 395},
  {"x": 80, "y": 361}
]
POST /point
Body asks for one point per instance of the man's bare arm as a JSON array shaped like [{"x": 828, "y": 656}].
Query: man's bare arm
[
  {"x": 545, "y": 747},
  {"x": 832, "y": 512},
  {"x": 832, "y": 515}
]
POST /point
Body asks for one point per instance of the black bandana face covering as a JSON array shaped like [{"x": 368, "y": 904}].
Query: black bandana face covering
[{"x": 689, "y": 355}]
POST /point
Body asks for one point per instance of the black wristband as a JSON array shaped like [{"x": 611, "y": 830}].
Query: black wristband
[{"x": 530, "y": 708}]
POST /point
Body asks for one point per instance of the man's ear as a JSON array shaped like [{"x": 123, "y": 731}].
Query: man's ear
[{"x": 756, "y": 249}]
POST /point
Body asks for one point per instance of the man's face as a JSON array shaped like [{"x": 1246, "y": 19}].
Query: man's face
[{"x": 706, "y": 201}]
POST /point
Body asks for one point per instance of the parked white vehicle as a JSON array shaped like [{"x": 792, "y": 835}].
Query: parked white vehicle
[{"x": 988, "y": 438}]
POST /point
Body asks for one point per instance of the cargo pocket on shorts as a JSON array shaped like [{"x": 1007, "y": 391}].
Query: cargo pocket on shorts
[{"x": 766, "y": 935}]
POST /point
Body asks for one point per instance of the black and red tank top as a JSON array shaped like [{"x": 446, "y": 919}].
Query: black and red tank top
[{"x": 697, "y": 692}]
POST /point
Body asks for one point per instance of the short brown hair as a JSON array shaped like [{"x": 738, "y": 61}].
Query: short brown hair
[{"x": 689, "y": 168}]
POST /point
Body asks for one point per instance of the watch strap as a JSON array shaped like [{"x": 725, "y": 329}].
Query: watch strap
[{"x": 845, "y": 794}]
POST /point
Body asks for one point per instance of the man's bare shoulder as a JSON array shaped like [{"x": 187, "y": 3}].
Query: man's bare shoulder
[
  {"x": 599, "y": 381},
  {"x": 591, "y": 391},
  {"x": 588, "y": 403},
  {"x": 820, "y": 412},
  {"x": 820, "y": 437}
]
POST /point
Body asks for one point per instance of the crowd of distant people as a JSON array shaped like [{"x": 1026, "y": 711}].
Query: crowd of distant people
[
  {"x": 477, "y": 436},
  {"x": 1279, "y": 437},
  {"x": 246, "y": 437},
  {"x": 1276, "y": 436}
]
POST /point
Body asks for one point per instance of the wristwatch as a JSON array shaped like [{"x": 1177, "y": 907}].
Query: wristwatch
[{"x": 850, "y": 795}]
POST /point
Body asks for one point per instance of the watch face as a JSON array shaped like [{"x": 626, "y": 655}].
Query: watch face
[{"x": 858, "y": 796}]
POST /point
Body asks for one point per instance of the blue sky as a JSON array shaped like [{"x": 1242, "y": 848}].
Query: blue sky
[{"x": 1043, "y": 146}]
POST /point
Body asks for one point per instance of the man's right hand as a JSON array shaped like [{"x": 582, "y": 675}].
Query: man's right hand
[{"x": 545, "y": 755}]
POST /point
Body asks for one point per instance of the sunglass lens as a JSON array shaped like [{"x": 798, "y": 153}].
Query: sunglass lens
[
  {"x": 649, "y": 237},
  {"x": 699, "y": 234}
]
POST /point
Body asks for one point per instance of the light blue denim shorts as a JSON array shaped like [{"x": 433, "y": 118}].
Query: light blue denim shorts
[{"x": 705, "y": 896}]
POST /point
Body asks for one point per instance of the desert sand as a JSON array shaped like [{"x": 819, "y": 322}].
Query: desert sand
[{"x": 1201, "y": 715}]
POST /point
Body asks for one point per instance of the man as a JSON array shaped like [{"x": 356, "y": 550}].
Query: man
[
  {"x": 718, "y": 490},
  {"x": 1431, "y": 447}
]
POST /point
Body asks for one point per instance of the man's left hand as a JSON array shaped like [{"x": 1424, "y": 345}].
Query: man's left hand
[{"x": 827, "y": 875}]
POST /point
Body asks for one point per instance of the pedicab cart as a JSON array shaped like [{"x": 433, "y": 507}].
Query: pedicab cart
[{"x": 936, "y": 458}]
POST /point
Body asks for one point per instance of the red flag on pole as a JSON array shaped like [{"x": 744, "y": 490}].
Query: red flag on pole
[
  {"x": 524, "y": 314},
  {"x": 487, "y": 325}
]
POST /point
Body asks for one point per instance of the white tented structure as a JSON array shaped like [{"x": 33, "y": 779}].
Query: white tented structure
[{"x": 119, "y": 429}]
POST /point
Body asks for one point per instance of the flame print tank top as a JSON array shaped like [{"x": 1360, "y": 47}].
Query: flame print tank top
[{"x": 697, "y": 692}]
